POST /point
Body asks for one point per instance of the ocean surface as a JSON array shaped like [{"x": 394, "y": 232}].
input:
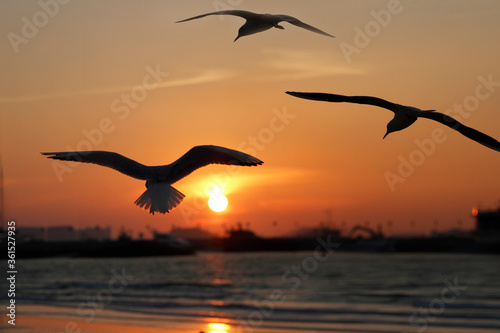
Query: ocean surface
[{"x": 274, "y": 292}]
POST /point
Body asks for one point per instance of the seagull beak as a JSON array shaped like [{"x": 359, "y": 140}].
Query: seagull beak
[
  {"x": 385, "y": 134},
  {"x": 236, "y": 38}
]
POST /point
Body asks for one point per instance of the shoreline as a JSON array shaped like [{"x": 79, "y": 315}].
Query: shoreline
[
  {"x": 51, "y": 319},
  {"x": 55, "y": 319}
]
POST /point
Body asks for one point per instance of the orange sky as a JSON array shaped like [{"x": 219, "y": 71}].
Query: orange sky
[{"x": 65, "y": 85}]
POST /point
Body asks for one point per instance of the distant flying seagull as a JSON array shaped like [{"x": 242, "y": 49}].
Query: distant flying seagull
[
  {"x": 260, "y": 22},
  {"x": 404, "y": 116},
  {"x": 160, "y": 196}
]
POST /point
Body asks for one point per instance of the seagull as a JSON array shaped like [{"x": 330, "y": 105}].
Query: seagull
[
  {"x": 160, "y": 196},
  {"x": 260, "y": 22},
  {"x": 404, "y": 116}
]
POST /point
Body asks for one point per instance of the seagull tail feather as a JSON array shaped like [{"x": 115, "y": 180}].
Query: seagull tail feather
[{"x": 159, "y": 197}]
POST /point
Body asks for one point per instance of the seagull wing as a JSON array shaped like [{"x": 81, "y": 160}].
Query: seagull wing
[
  {"x": 299, "y": 23},
  {"x": 348, "y": 99},
  {"x": 242, "y": 13},
  {"x": 469, "y": 132},
  {"x": 105, "y": 158},
  {"x": 201, "y": 156}
]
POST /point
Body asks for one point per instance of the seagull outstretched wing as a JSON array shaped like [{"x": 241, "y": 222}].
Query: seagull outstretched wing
[
  {"x": 348, "y": 99},
  {"x": 242, "y": 13},
  {"x": 469, "y": 132},
  {"x": 299, "y": 23},
  {"x": 201, "y": 156},
  {"x": 108, "y": 159}
]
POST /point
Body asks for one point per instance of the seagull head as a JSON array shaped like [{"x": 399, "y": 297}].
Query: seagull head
[
  {"x": 403, "y": 118},
  {"x": 254, "y": 26},
  {"x": 393, "y": 126},
  {"x": 390, "y": 128},
  {"x": 243, "y": 31}
]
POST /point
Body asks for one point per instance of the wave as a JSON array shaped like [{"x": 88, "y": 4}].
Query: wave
[
  {"x": 130, "y": 285},
  {"x": 144, "y": 303}
]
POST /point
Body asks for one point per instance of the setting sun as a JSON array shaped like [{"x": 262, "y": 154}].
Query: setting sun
[
  {"x": 217, "y": 202},
  {"x": 218, "y": 328}
]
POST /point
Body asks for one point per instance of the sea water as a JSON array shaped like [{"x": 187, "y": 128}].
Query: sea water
[{"x": 276, "y": 291}]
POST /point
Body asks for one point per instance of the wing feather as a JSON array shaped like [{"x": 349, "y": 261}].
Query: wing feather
[
  {"x": 242, "y": 13},
  {"x": 201, "y": 156},
  {"x": 469, "y": 132},
  {"x": 299, "y": 23},
  {"x": 348, "y": 99},
  {"x": 111, "y": 160}
]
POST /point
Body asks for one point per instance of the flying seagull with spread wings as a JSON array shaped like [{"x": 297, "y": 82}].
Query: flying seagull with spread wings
[
  {"x": 260, "y": 22},
  {"x": 404, "y": 116},
  {"x": 160, "y": 196}
]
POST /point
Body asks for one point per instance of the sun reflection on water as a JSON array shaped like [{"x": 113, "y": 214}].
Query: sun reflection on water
[{"x": 217, "y": 271}]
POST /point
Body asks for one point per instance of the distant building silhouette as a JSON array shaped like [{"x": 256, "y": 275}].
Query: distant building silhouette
[
  {"x": 96, "y": 233},
  {"x": 63, "y": 233},
  {"x": 31, "y": 233},
  {"x": 319, "y": 231},
  {"x": 191, "y": 233},
  {"x": 487, "y": 221}
]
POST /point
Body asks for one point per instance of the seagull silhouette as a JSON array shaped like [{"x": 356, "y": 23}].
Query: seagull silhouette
[
  {"x": 260, "y": 22},
  {"x": 404, "y": 116},
  {"x": 160, "y": 196}
]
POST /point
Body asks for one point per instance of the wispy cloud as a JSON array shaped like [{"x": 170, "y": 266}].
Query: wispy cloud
[
  {"x": 209, "y": 75},
  {"x": 274, "y": 176},
  {"x": 233, "y": 182},
  {"x": 304, "y": 64}
]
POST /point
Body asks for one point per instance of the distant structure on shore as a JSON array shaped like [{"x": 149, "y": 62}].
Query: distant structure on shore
[
  {"x": 191, "y": 233},
  {"x": 487, "y": 222},
  {"x": 63, "y": 234}
]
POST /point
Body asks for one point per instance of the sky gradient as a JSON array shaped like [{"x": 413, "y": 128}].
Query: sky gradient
[{"x": 123, "y": 76}]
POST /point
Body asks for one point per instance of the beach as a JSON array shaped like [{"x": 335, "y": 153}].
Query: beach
[{"x": 47, "y": 319}]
